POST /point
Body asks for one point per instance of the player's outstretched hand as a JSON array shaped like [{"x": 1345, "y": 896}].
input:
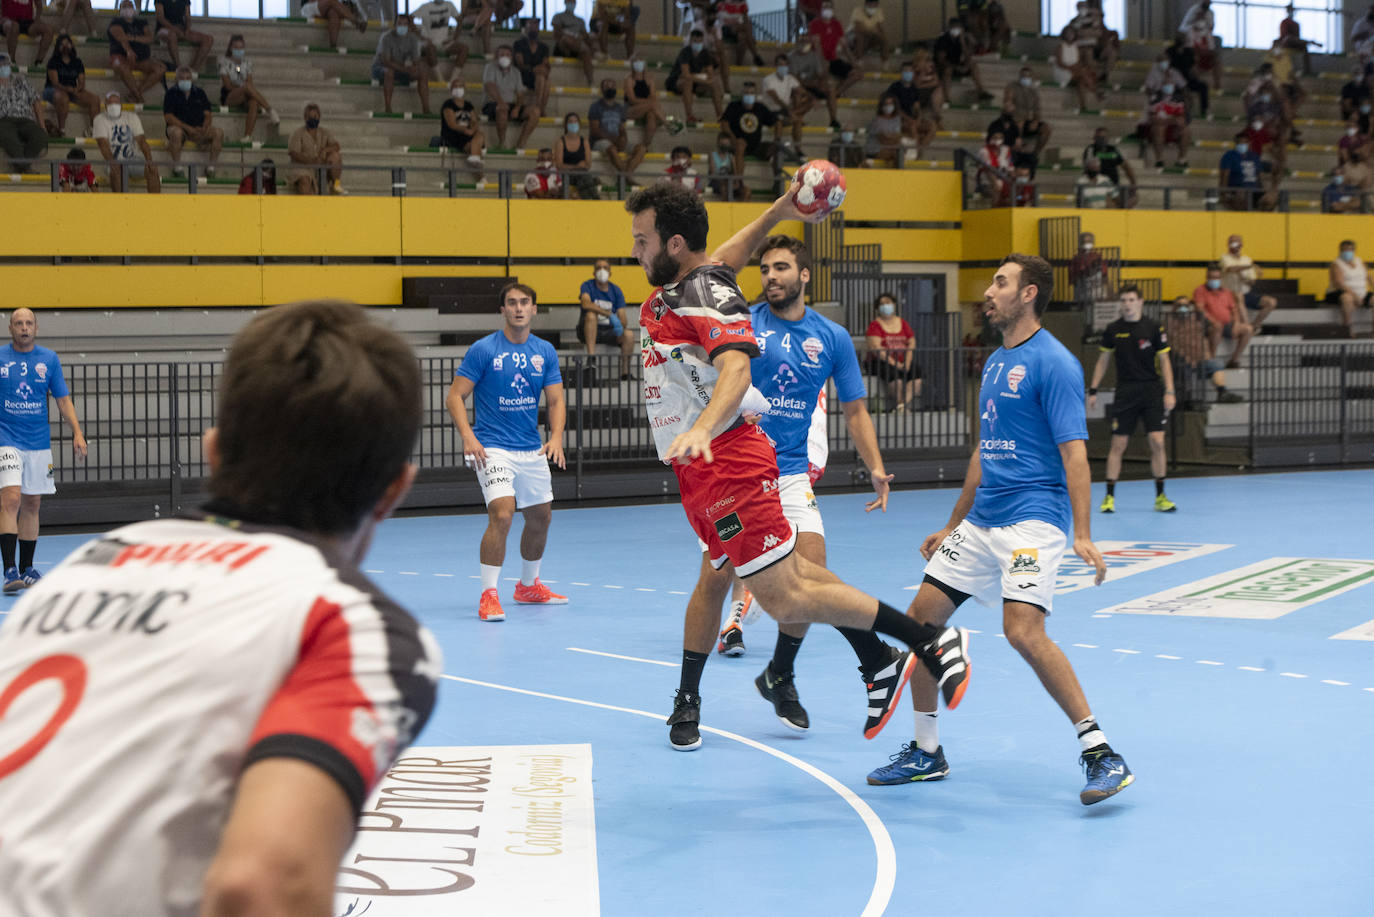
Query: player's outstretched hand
[
  {"x": 1088, "y": 552},
  {"x": 79, "y": 447},
  {"x": 1092, "y": 402},
  {"x": 689, "y": 445},
  {"x": 785, "y": 207},
  {"x": 474, "y": 456},
  {"x": 554, "y": 450},
  {"x": 932, "y": 542},
  {"x": 881, "y": 489}
]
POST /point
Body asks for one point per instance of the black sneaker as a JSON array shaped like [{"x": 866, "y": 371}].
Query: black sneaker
[
  {"x": 782, "y": 694},
  {"x": 885, "y": 689},
  {"x": 947, "y": 659},
  {"x": 731, "y": 640},
  {"x": 685, "y": 736}
]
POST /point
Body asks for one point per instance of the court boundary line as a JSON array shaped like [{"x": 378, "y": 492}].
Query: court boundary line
[{"x": 885, "y": 853}]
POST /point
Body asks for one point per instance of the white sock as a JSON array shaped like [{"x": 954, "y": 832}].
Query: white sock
[
  {"x": 927, "y": 731},
  {"x": 529, "y": 572},
  {"x": 491, "y": 575},
  {"x": 1089, "y": 735}
]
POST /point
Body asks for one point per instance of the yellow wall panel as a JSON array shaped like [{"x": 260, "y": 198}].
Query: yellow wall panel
[
  {"x": 1163, "y": 236},
  {"x": 986, "y": 234},
  {"x": 339, "y": 226},
  {"x": 132, "y": 224},
  {"x": 569, "y": 229},
  {"x": 911, "y": 244},
  {"x": 1313, "y": 281},
  {"x": 889, "y": 195},
  {"x": 453, "y": 227},
  {"x": 1317, "y": 236},
  {"x": 374, "y": 284},
  {"x": 113, "y": 286}
]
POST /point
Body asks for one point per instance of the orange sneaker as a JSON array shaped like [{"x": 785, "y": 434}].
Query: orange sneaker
[
  {"x": 489, "y": 609},
  {"x": 538, "y": 594}
]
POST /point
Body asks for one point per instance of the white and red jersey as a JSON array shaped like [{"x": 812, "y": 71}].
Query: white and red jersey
[
  {"x": 817, "y": 440},
  {"x": 682, "y": 327},
  {"x": 141, "y": 676}
]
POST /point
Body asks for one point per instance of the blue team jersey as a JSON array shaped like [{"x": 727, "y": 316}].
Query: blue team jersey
[
  {"x": 507, "y": 380},
  {"x": 26, "y": 380},
  {"x": 795, "y": 359},
  {"x": 1031, "y": 401}
]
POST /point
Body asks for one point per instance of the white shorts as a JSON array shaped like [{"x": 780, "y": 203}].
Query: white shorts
[
  {"x": 522, "y": 475},
  {"x": 1010, "y": 563},
  {"x": 310, "y": 11},
  {"x": 30, "y": 471},
  {"x": 798, "y": 505}
]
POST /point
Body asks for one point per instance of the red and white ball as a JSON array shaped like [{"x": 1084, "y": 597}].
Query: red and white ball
[{"x": 820, "y": 187}]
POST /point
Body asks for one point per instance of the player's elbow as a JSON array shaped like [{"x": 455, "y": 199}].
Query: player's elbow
[{"x": 256, "y": 884}]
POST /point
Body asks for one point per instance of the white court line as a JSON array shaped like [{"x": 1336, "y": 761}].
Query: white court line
[
  {"x": 644, "y": 589},
  {"x": 1209, "y": 662},
  {"x": 1250, "y": 668},
  {"x": 675, "y": 592},
  {"x": 581, "y": 584},
  {"x": 1332, "y": 681},
  {"x": 608, "y": 586},
  {"x": 407, "y": 573},
  {"x": 578, "y": 649},
  {"x": 1127, "y": 652},
  {"x": 886, "y": 875},
  {"x": 1086, "y": 646},
  {"x": 1292, "y": 675},
  {"x": 1166, "y": 656},
  {"x": 448, "y": 575}
]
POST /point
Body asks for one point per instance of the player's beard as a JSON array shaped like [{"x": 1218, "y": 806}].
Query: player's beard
[
  {"x": 664, "y": 269},
  {"x": 791, "y": 295}
]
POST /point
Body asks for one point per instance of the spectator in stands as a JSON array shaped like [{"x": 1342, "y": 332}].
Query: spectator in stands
[
  {"x": 994, "y": 179},
  {"x": 974, "y": 15},
  {"x": 892, "y": 353},
  {"x": 435, "y": 26},
  {"x": 1356, "y": 90},
  {"x": 1162, "y": 74},
  {"x": 697, "y": 72},
  {"x": 845, "y": 151},
  {"x": 24, "y": 17},
  {"x": 1198, "y": 28},
  {"x": 1243, "y": 177},
  {"x": 868, "y": 30},
  {"x": 69, "y": 11},
  {"x": 1023, "y": 186},
  {"x": 505, "y": 99},
  {"x": 606, "y": 120},
  {"x": 1186, "y": 329},
  {"x": 615, "y": 17},
  {"x": 786, "y": 99},
  {"x": 603, "y": 310},
  {"x": 174, "y": 25},
  {"x": 460, "y": 129},
  {"x": 1097, "y": 44},
  {"x": 954, "y": 59},
  {"x": 532, "y": 62},
  {"x": 21, "y": 118},
  {"x": 1024, "y": 100},
  {"x": 1169, "y": 124},
  {"x": 570, "y": 155},
  {"x": 1224, "y": 315},
  {"x": 267, "y": 184},
  {"x": 726, "y": 183},
  {"x": 1359, "y": 177},
  {"x": 119, "y": 135},
  {"x": 926, "y": 79},
  {"x": 76, "y": 173},
  {"x": 810, "y": 70},
  {"x": 1351, "y": 139},
  {"x": 917, "y": 121},
  {"x": 1238, "y": 274},
  {"x": 67, "y": 83},
  {"x": 1070, "y": 69},
  {"x": 1183, "y": 59},
  {"x": 1290, "y": 38},
  {"x": 828, "y": 32},
  {"x": 236, "y": 87},
  {"x": 734, "y": 27},
  {"x": 1266, "y": 106},
  {"x": 1093, "y": 189},
  {"x": 1005, "y": 124},
  {"x": 1337, "y": 197},
  {"x": 1349, "y": 285},
  {"x": 570, "y": 38},
  {"x": 313, "y": 146},
  {"x": 641, "y": 100},
  {"x": 334, "y": 12},
  {"x": 681, "y": 171},
  {"x": 1088, "y": 272},
  {"x": 1362, "y": 35},
  {"x": 884, "y": 146},
  {"x": 999, "y": 27},
  {"x": 187, "y": 112},
  {"x": 744, "y": 120},
  {"x": 1112, "y": 163},
  {"x": 476, "y": 17},
  {"x": 131, "y": 48},
  {"x": 544, "y": 182},
  {"x": 400, "y": 60},
  {"x": 1285, "y": 77}
]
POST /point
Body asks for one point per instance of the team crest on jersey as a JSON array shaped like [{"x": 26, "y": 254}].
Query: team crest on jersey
[
  {"x": 1144, "y": 344},
  {"x": 784, "y": 378},
  {"x": 1025, "y": 561},
  {"x": 1015, "y": 376},
  {"x": 537, "y": 363},
  {"x": 41, "y": 369},
  {"x": 676, "y": 354},
  {"x": 715, "y": 333},
  {"x": 497, "y": 360},
  {"x": 520, "y": 384},
  {"x": 813, "y": 348},
  {"x": 24, "y": 391}
]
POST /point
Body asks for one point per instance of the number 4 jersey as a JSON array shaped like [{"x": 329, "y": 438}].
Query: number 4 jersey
[{"x": 141, "y": 676}]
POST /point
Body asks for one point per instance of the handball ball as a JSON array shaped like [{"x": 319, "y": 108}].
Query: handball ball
[{"x": 820, "y": 187}]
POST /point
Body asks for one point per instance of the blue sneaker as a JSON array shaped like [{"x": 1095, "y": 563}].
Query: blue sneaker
[
  {"x": 31, "y": 577},
  {"x": 911, "y": 765},
  {"x": 13, "y": 581},
  {"x": 1107, "y": 775}
]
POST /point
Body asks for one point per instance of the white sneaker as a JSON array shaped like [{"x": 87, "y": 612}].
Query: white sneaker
[
  {"x": 178, "y": 171},
  {"x": 273, "y": 116},
  {"x": 475, "y": 161},
  {"x": 247, "y": 138}
]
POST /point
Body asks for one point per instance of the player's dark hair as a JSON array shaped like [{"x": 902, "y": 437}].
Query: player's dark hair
[
  {"x": 319, "y": 411},
  {"x": 1034, "y": 271},
  {"x": 1129, "y": 288},
  {"x": 516, "y": 285},
  {"x": 796, "y": 246},
  {"x": 677, "y": 212}
]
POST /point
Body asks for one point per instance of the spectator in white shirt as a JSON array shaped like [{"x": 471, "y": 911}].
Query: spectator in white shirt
[
  {"x": 436, "y": 22},
  {"x": 784, "y": 94},
  {"x": 119, "y": 135}
]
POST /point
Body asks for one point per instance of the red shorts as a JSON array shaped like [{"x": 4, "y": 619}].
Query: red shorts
[{"x": 733, "y": 502}]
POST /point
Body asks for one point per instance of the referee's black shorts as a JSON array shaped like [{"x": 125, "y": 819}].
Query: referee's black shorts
[{"x": 1137, "y": 401}]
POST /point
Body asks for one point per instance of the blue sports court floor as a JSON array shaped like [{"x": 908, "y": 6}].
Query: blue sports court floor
[{"x": 1244, "y": 707}]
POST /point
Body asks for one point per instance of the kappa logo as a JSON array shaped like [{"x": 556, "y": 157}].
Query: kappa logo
[
  {"x": 1015, "y": 376},
  {"x": 771, "y": 541},
  {"x": 813, "y": 348},
  {"x": 723, "y": 295},
  {"x": 728, "y": 527},
  {"x": 1025, "y": 561}
]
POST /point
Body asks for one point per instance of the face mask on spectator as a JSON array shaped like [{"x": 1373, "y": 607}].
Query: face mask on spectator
[
  {"x": 127, "y": 13},
  {"x": 1167, "y": 89},
  {"x": 1025, "y": 81},
  {"x": 639, "y": 66},
  {"x": 312, "y": 123},
  {"x": 1213, "y": 284},
  {"x": 1184, "y": 309},
  {"x": 5, "y": 71},
  {"x": 887, "y": 308},
  {"x": 888, "y": 109},
  {"x": 503, "y": 62},
  {"x": 1351, "y": 131},
  {"x": 1265, "y": 97},
  {"x": 783, "y": 70},
  {"x": 1242, "y": 148},
  {"x": 956, "y": 32},
  {"x": 1257, "y": 125},
  {"x": 1338, "y": 179},
  {"x": 696, "y": 47},
  {"x": 602, "y": 275},
  {"x": 402, "y": 30},
  {"x": 680, "y": 163},
  {"x": 846, "y": 136},
  {"x": 1348, "y": 255},
  {"x": 459, "y": 91},
  {"x": 608, "y": 94},
  {"x": 747, "y": 99},
  {"x": 1235, "y": 246},
  {"x": 113, "y": 109},
  {"x": 184, "y": 85},
  {"x": 544, "y": 165},
  {"x": 908, "y": 76},
  {"x": 574, "y": 127},
  {"x": 1364, "y": 109},
  {"x": 1087, "y": 246},
  {"x": 238, "y": 53},
  {"x": 827, "y": 13}
]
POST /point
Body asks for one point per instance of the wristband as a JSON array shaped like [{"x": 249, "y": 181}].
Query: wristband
[{"x": 1092, "y": 391}]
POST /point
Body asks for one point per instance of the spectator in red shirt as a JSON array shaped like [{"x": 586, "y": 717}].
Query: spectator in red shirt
[
  {"x": 1290, "y": 37},
  {"x": 734, "y": 27},
  {"x": 269, "y": 179},
  {"x": 1169, "y": 124},
  {"x": 76, "y": 174},
  {"x": 892, "y": 349},
  {"x": 23, "y": 17},
  {"x": 1223, "y": 315},
  {"x": 829, "y": 34}
]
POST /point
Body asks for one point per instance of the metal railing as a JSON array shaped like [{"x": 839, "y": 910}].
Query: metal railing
[{"x": 1312, "y": 403}]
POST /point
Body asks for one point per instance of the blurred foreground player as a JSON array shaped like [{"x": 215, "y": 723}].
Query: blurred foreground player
[{"x": 193, "y": 710}]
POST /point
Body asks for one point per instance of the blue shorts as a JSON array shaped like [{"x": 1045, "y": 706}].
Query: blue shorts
[{"x": 379, "y": 74}]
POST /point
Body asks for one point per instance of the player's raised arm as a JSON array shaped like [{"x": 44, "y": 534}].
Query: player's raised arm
[{"x": 740, "y": 247}]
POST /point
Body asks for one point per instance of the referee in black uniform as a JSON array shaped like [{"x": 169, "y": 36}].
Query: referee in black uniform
[{"x": 1144, "y": 391}]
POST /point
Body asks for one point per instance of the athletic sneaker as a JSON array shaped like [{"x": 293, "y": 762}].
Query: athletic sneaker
[
  {"x": 911, "y": 765},
  {"x": 684, "y": 734},
  {"x": 13, "y": 581},
  {"x": 731, "y": 640},
  {"x": 746, "y": 611},
  {"x": 31, "y": 577},
  {"x": 1108, "y": 504},
  {"x": 947, "y": 659},
  {"x": 1163, "y": 504},
  {"x": 885, "y": 689},
  {"x": 489, "y": 609},
  {"x": 781, "y": 692},
  {"x": 1107, "y": 775},
  {"x": 538, "y": 594}
]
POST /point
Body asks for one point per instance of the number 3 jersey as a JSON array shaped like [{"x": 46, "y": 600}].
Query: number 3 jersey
[
  {"x": 142, "y": 675},
  {"x": 682, "y": 327}
]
